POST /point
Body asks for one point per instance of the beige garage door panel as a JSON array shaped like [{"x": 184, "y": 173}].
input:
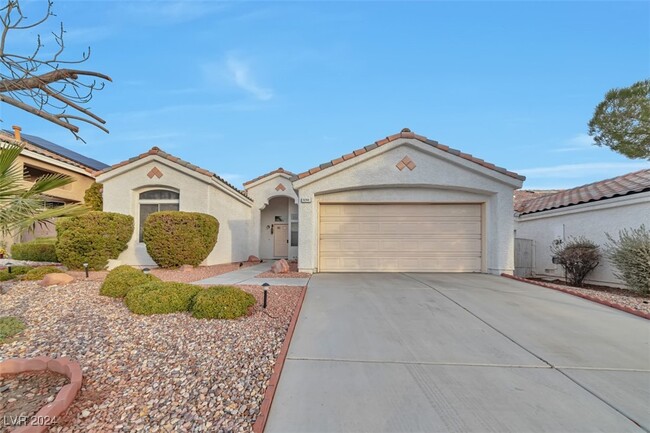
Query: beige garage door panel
[{"x": 400, "y": 237}]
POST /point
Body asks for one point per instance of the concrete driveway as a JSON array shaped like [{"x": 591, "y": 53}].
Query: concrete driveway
[{"x": 460, "y": 353}]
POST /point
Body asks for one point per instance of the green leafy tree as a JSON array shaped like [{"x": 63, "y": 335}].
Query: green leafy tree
[
  {"x": 22, "y": 206},
  {"x": 622, "y": 121}
]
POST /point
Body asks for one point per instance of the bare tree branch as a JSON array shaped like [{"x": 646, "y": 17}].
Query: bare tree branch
[{"x": 40, "y": 84}]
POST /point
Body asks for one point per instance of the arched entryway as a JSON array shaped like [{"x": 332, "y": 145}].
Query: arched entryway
[{"x": 279, "y": 229}]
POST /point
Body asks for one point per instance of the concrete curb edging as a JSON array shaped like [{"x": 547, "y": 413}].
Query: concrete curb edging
[
  {"x": 581, "y": 295},
  {"x": 265, "y": 409},
  {"x": 64, "y": 398}
]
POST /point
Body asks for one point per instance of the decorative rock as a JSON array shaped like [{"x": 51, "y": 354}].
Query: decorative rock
[
  {"x": 253, "y": 259},
  {"x": 280, "y": 267},
  {"x": 56, "y": 280}
]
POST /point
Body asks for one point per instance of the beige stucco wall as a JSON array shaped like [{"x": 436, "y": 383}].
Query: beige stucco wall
[
  {"x": 262, "y": 192},
  {"x": 198, "y": 193},
  {"x": 74, "y": 191},
  {"x": 592, "y": 220},
  {"x": 437, "y": 178}
]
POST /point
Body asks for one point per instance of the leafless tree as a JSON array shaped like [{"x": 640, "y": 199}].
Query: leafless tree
[{"x": 46, "y": 84}]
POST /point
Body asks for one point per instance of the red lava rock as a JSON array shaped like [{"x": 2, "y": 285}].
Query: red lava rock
[
  {"x": 56, "y": 280},
  {"x": 254, "y": 259},
  {"x": 280, "y": 267}
]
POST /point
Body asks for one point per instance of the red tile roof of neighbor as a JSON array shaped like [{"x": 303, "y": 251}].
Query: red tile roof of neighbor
[
  {"x": 631, "y": 183},
  {"x": 278, "y": 170},
  {"x": 406, "y": 133},
  {"x": 155, "y": 151},
  {"x": 521, "y": 196}
]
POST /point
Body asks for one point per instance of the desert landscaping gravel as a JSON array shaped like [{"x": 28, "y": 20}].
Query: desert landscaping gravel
[
  {"x": 151, "y": 373},
  {"x": 22, "y": 395},
  {"x": 626, "y": 298}
]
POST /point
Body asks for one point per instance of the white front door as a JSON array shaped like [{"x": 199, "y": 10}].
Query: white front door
[{"x": 280, "y": 240}]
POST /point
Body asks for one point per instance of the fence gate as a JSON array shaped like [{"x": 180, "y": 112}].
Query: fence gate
[{"x": 523, "y": 257}]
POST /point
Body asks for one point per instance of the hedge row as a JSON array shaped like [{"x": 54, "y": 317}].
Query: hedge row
[
  {"x": 146, "y": 294},
  {"x": 38, "y": 250}
]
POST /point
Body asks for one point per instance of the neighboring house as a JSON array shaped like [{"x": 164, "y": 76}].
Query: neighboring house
[
  {"x": 591, "y": 211},
  {"x": 40, "y": 157},
  {"x": 403, "y": 203}
]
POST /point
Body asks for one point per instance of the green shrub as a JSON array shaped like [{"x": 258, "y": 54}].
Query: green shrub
[
  {"x": 10, "y": 326},
  {"x": 122, "y": 279},
  {"x": 161, "y": 298},
  {"x": 222, "y": 302},
  {"x": 16, "y": 271},
  {"x": 93, "y": 197},
  {"x": 578, "y": 256},
  {"x": 93, "y": 238},
  {"x": 40, "y": 272},
  {"x": 38, "y": 250},
  {"x": 180, "y": 238},
  {"x": 630, "y": 255}
]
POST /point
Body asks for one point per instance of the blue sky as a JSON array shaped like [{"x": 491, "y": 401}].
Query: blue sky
[{"x": 242, "y": 88}]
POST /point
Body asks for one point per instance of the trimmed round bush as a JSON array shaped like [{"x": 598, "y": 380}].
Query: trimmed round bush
[
  {"x": 93, "y": 197},
  {"x": 122, "y": 279},
  {"x": 40, "y": 272},
  {"x": 222, "y": 302},
  {"x": 176, "y": 238},
  {"x": 16, "y": 271},
  {"x": 630, "y": 255},
  {"x": 38, "y": 250},
  {"x": 92, "y": 238},
  {"x": 161, "y": 298}
]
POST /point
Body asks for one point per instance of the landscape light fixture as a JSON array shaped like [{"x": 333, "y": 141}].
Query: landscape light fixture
[
  {"x": 266, "y": 293},
  {"x": 146, "y": 271},
  {"x": 86, "y": 269},
  {"x": 9, "y": 266}
]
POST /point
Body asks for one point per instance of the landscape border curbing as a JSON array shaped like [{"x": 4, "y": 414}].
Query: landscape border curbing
[
  {"x": 265, "y": 409},
  {"x": 581, "y": 295},
  {"x": 65, "y": 397}
]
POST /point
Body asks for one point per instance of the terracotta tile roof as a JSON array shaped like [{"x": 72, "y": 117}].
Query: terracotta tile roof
[
  {"x": 278, "y": 170},
  {"x": 631, "y": 183},
  {"x": 406, "y": 133},
  {"x": 155, "y": 151},
  {"x": 521, "y": 196}
]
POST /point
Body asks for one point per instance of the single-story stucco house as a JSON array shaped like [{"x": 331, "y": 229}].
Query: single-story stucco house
[
  {"x": 403, "y": 203},
  {"x": 591, "y": 211}
]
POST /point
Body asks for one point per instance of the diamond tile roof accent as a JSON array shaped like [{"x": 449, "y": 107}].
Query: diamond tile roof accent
[
  {"x": 156, "y": 151},
  {"x": 631, "y": 183},
  {"x": 154, "y": 172},
  {"x": 280, "y": 187},
  {"x": 406, "y": 133},
  {"x": 277, "y": 170}
]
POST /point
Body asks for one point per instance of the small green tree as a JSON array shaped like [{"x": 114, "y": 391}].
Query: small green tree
[
  {"x": 93, "y": 197},
  {"x": 622, "y": 121},
  {"x": 630, "y": 255},
  {"x": 578, "y": 256}
]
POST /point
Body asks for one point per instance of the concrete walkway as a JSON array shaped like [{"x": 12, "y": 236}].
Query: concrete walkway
[
  {"x": 246, "y": 276},
  {"x": 460, "y": 353}
]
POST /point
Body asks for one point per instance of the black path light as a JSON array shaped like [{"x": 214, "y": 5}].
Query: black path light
[
  {"x": 9, "y": 266},
  {"x": 146, "y": 271},
  {"x": 266, "y": 293},
  {"x": 86, "y": 269}
]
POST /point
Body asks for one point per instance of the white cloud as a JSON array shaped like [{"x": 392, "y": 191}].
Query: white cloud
[
  {"x": 240, "y": 73},
  {"x": 232, "y": 177},
  {"x": 602, "y": 169},
  {"x": 577, "y": 143}
]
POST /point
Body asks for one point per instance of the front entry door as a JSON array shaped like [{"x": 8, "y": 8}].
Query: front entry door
[{"x": 280, "y": 240}]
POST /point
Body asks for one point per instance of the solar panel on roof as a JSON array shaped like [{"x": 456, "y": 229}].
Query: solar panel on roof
[{"x": 62, "y": 151}]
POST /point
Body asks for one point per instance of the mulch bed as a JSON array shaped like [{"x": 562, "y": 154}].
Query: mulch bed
[
  {"x": 152, "y": 373},
  {"x": 23, "y": 395}
]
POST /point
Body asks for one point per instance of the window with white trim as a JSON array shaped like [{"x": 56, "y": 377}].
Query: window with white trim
[{"x": 157, "y": 200}]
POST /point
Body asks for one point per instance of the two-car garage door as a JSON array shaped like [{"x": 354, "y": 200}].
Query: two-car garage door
[{"x": 400, "y": 238}]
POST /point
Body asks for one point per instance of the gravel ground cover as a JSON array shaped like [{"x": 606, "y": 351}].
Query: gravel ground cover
[
  {"x": 293, "y": 273},
  {"x": 152, "y": 373},
  {"x": 22, "y": 395},
  {"x": 626, "y": 298}
]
